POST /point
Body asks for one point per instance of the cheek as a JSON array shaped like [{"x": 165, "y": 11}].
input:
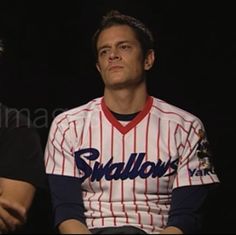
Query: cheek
[
  {"x": 137, "y": 66},
  {"x": 136, "y": 61}
]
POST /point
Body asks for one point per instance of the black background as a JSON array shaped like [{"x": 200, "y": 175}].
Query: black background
[{"x": 48, "y": 67}]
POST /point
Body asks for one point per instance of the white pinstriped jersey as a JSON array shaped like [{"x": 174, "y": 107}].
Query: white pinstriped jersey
[{"x": 128, "y": 172}]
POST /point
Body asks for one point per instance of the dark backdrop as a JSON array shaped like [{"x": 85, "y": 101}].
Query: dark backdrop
[{"x": 48, "y": 67}]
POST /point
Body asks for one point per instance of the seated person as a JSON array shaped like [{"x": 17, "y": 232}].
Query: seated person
[{"x": 21, "y": 168}]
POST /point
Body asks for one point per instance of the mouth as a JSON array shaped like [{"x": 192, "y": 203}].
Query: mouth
[{"x": 115, "y": 68}]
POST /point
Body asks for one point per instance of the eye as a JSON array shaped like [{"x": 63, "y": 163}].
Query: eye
[
  {"x": 124, "y": 46},
  {"x": 103, "y": 52}
]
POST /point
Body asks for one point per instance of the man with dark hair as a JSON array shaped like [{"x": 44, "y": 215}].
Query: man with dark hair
[
  {"x": 127, "y": 162},
  {"x": 22, "y": 169}
]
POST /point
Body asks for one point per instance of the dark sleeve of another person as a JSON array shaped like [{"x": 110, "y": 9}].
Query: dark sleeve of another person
[{"x": 21, "y": 155}]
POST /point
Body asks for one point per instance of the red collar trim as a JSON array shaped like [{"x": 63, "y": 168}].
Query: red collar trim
[{"x": 131, "y": 124}]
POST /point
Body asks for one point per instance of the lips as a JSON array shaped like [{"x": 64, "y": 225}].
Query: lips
[{"x": 115, "y": 67}]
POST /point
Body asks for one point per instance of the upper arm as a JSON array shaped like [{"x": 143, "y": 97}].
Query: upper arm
[
  {"x": 194, "y": 166},
  {"x": 59, "y": 151}
]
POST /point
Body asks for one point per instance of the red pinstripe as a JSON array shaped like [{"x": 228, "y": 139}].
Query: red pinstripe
[
  {"x": 167, "y": 112},
  {"x": 180, "y": 126},
  {"x": 62, "y": 151},
  {"x": 195, "y": 130},
  {"x": 48, "y": 154},
  {"x": 76, "y": 134},
  {"x": 81, "y": 143},
  {"x": 122, "y": 182},
  {"x": 158, "y": 157},
  {"x": 53, "y": 155},
  {"x": 178, "y": 147},
  {"x": 111, "y": 185},
  {"x": 90, "y": 185},
  {"x": 169, "y": 154},
  {"x": 134, "y": 194},
  {"x": 101, "y": 160},
  {"x": 187, "y": 164},
  {"x": 146, "y": 185}
]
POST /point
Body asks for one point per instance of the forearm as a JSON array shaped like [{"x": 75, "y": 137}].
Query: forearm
[
  {"x": 73, "y": 226},
  {"x": 16, "y": 191},
  {"x": 171, "y": 230}
]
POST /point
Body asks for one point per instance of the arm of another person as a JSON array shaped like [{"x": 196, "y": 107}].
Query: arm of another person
[
  {"x": 21, "y": 171},
  {"x": 15, "y": 201}
]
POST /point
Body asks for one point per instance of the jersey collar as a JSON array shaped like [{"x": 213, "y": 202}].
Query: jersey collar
[{"x": 125, "y": 129}]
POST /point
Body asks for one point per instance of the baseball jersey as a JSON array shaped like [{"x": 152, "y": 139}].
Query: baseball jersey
[{"x": 128, "y": 170}]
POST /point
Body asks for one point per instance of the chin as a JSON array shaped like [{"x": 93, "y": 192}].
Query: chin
[
  {"x": 115, "y": 80},
  {"x": 118, "y": 85}
]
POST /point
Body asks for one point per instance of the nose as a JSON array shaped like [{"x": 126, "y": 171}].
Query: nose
[{"x": 114, "y": 55}]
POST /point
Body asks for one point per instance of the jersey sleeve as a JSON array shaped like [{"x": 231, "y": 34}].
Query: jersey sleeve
[
  {"x": 67, "y": 201},
  {"x": 59, "y": 156},
  {"x": 195, "y": 162},
  {"x": 187, "y": 208}
]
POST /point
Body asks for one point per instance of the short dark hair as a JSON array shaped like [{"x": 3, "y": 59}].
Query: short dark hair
[{"x": 114, "y": 17}]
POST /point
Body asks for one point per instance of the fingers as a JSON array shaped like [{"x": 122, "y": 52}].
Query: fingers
[
  {"x": 12, "y": 216},
  {"x": 13, "y": 208},
  {"x": 3, "y": 227},
  {"x": 8, "y": 223}
]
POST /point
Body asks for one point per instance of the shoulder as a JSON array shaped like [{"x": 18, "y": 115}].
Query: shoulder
[
  {"x": 77, "y": 113},
  {"x": 172, "y": 113},
  {"x": 16, "y": 127},
  {"x": 16, "y": 124}
]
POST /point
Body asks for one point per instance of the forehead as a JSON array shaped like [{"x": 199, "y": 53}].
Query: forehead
[{"x": 115, "y": 34}]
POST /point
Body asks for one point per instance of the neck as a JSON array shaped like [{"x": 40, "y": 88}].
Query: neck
[{"x": 126, "y": 101}]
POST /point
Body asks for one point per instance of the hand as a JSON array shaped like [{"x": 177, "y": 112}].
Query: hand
[
  {"x": 73, "y": 226},
  {"x": 15, "y": 199},
  {"x": 12, "y": 215},
  {"x": 171, "y": 230}
]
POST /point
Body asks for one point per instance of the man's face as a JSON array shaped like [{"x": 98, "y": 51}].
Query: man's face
[{"x": 120, "y": 58}]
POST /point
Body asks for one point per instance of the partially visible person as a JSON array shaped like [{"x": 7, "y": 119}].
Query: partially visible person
[
  {"x": 127, "y": 162},
  {"x": 21, "y": 167}
]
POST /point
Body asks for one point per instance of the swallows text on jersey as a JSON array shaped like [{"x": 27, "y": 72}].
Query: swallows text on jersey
[{"x": 136, "y": 166}]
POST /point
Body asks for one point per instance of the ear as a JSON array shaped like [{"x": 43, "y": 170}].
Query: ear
[
  {"x": 98, "y": 67},
  {"x": 149, "y": 59}
]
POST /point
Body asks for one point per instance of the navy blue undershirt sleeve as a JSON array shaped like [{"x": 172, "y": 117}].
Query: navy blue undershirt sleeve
[
  {"x": 186, "y": 209},
  {"x": 66, "y": 195}
]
